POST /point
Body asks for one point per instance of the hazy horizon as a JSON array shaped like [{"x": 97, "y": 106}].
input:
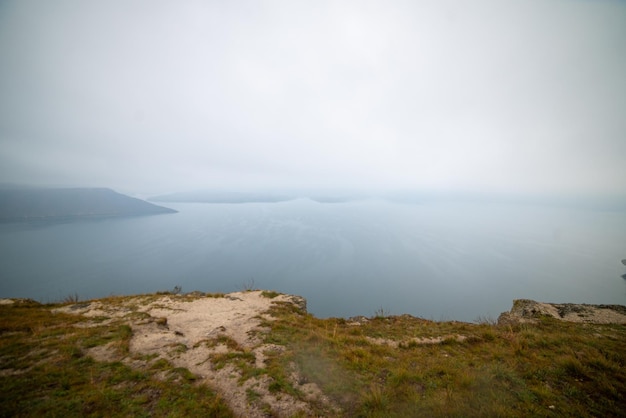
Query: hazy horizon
[
  {"x": 154, "y": 97},
  {"x": 242, "y": 194}
]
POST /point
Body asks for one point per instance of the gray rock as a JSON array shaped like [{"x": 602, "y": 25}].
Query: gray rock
[{"x": 526, "y": 310}]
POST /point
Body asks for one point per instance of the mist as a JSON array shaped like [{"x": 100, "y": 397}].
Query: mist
[{"x": 520, "y": 97}]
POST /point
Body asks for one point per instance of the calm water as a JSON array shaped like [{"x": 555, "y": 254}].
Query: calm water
[{"x": 439, "y": 261}]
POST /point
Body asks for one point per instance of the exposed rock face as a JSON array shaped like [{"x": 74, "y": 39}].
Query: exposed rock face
[
  {"x": 526, "y": 310},
  {"x": 299, "y": 302}
]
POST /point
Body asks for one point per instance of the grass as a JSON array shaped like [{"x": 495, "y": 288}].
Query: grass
[
  {"x": 383, "y": 366},
  {"x": 248, "y": 286},
  {"x": 270, "y": 294},
  {"x": 381, "y": 312},
  {"x": 175, "y": 291},
  {"x": 44, "y": 371},
  {"x": 524, "y": 370},
  {"x": 71, "y": 298}
]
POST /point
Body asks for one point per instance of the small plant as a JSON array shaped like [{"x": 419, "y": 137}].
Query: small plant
[
  {"x": 71, "y": 298},
  {"x": 252, "y": 395},
  {"x": 184, "y": 373},
  {"x": 161, "y": 364},
  {"x": 175, "y": 291},
  {"x": 269, "y": 294},
  {"x": 248, "y": 286},
  {"x": 375, "y": 400},
  {"x": 223, "y": 340},
  {"x": 381, "y": 313},
  {"x": 239, "y": 358},
  {"x": 179, "y": 348}
]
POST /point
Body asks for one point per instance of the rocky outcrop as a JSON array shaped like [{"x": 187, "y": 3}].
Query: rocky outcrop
[
  {"x": 526, "y": 310},
  {"x": 298, "y": 301}
]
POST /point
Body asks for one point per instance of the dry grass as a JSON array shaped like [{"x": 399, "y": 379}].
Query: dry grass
[{"x": 524, "y": 370}]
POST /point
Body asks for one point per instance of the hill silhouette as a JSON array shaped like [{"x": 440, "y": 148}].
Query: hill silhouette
[{"x": 33, "y": 204}]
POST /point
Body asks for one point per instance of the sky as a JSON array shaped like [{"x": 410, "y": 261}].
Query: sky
[{"x": 153, "y": 96}]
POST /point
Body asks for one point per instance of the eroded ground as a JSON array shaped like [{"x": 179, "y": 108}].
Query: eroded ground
[{"x": 217, "y": 338}]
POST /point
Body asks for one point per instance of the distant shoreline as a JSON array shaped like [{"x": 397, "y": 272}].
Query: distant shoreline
[{"x": 63, "y": 205}]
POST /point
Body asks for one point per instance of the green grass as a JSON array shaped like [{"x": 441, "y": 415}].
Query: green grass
[
  {"x": 525, "y": 370},
  {"x": 270, "y": 294},
  {"x": 45, "y": 372}
]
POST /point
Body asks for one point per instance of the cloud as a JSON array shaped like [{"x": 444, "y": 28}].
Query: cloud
[{"x": 157, "y": 96}]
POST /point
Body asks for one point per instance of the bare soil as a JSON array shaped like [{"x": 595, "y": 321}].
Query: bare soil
[{"x": 188, "y": 331}]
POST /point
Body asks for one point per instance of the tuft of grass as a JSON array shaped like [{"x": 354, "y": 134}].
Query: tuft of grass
[
  {"x": 269, "y": 294},
  {"x": 71, "y": 298},
  {"x": 175, "y": 291},
  {"x": 178, "y": 348},
  {"x": 248, "y": 286},
  {"x": 375, "y": 401},
  {"x": 221, "y": 339},
  {"x": 381, "y": 313},
  {"x": 255, "y": 397},
  {"x": 161, "y": 364},
  {"x": 214, "y": 295},
  {"x": 183, "y": 373},
  {"x": 241, "y": 359}
]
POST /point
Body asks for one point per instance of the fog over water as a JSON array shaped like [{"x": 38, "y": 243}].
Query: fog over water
[
  {"x": 436, "y": 260},
  {"x": 509, "y": 101}
]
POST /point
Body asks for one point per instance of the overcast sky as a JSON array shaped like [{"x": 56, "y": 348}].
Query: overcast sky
[{"x": 159, "y": 96}]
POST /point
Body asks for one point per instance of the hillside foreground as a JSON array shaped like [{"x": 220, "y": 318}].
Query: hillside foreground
[{"x": 259, "y": 353}]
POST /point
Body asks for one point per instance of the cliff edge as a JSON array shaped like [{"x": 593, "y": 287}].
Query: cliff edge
[{"x": 259, "y": 353}]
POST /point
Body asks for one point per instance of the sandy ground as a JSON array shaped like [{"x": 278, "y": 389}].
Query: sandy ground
[{"x": 187, "y": 331}]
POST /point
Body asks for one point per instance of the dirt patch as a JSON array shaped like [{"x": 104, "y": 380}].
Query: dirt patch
[
  {"x": 194, "y": 332},
  {"x": 417, "y": 340}
]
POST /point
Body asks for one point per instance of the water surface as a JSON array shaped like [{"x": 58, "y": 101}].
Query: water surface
[{"x": 438, "y": 260}]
